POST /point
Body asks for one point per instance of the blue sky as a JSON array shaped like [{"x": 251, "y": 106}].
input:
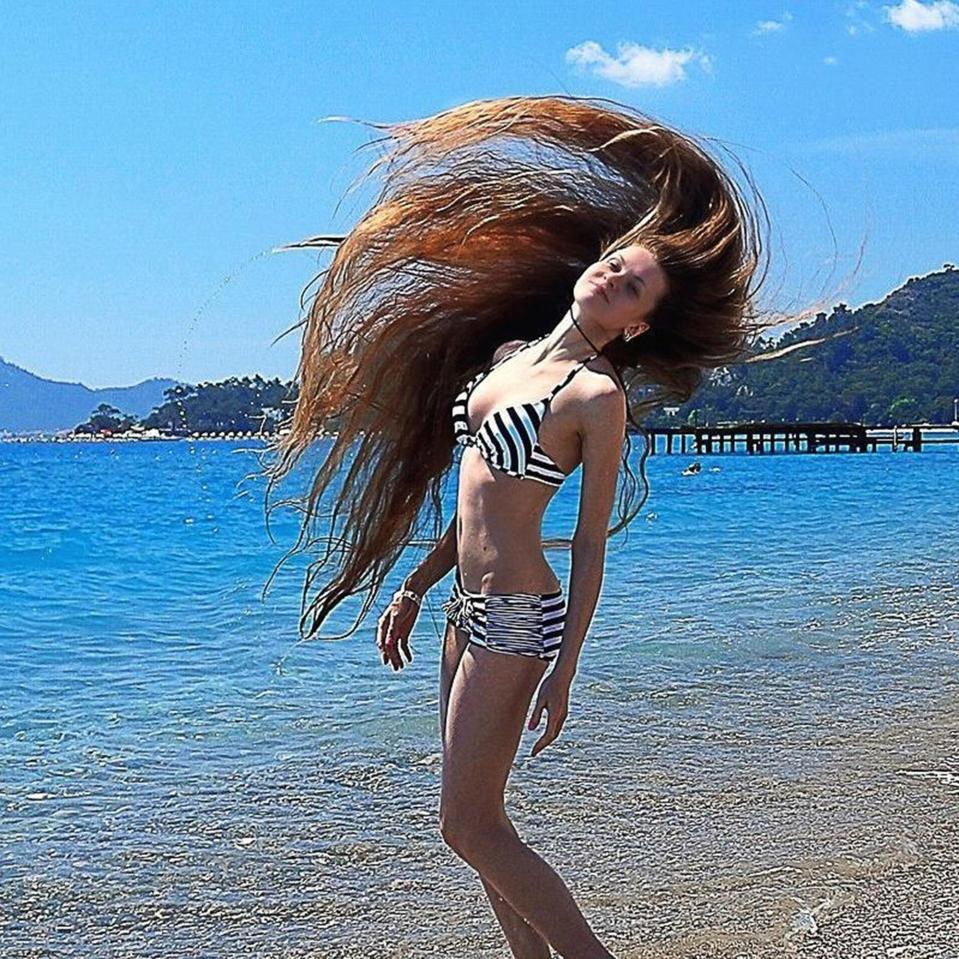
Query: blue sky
[{"x": 151, "y": 155}]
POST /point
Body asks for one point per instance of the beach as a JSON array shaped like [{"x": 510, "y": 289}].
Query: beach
[
  {"x": 759, "y": 758},
  {"x": 890, "y": 892}
]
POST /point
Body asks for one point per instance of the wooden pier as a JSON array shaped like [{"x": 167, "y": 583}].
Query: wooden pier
[{"x": 787, "y": 437}]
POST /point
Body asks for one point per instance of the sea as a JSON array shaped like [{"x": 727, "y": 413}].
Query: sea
[{"x": 764, "y": 720}]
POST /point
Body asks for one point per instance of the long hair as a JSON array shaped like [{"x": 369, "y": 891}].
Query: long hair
[{"x": 488, "y": 214}]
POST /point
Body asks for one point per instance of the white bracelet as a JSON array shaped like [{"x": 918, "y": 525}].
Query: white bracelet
[{"x": 408, "y": 594}]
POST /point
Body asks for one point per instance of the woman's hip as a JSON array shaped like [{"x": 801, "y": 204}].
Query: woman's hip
[{"x": 521, "y": 623}]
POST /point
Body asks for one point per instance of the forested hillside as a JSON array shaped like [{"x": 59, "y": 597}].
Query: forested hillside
[{"x": 895, "y": 362}]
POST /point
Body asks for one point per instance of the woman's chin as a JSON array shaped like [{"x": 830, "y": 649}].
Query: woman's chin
[
  {"x": 590, "y": 307},
  {"x": 591, "y": 301}
]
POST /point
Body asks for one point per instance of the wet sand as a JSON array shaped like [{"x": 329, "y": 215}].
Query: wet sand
[
  {"x": 903, "y": 911},
  {"x": 892, "y": 895},
  {"x": 848, "y": 847}
]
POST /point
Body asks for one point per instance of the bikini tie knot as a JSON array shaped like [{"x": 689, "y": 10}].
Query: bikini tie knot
[{"x": 459, "y": 607}]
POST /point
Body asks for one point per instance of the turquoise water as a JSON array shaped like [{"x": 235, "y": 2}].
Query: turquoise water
[{"x": 178, "y": 775}]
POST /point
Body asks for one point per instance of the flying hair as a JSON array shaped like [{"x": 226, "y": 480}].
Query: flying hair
[{"x": 487, "y": 214}]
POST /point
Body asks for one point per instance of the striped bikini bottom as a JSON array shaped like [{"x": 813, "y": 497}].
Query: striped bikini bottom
[{"x": 525, "y": 624}]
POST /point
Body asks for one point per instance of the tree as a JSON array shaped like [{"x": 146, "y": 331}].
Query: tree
[
  {"x": 106, "y": 419},
  {"x": 904, "y": 410}
]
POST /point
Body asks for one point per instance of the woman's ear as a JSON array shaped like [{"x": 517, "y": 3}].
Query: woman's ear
[{"x": 631, "y": 332}]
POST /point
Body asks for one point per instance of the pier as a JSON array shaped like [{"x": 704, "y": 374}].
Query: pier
[{"x": 760, "y": 437}]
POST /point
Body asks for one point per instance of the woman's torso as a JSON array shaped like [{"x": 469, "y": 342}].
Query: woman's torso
[{"x": 521, "y": 418}]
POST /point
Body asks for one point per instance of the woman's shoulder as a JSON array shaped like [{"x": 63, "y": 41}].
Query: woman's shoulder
[
  {"x": 600, "y": 393},
  {"x": 601, "y": 379},
  {"x": 504, "y": 349}
]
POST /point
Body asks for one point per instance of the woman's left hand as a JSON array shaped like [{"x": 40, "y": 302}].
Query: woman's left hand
[{"x": 553, "y": 696}]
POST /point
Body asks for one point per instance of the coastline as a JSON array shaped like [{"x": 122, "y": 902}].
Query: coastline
[
  {"x": 135, "y": 438},
  {"x": 946, "y": 434}
]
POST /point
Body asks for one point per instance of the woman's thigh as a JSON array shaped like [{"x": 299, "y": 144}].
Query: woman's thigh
[
  {"x": 488, "y": 703},
  {"x": 454, "y": 645}
]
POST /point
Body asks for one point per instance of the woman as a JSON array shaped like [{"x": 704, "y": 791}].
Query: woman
[
  {"x": 515, "y": 602},
  {"x": 492, "y": 302}
]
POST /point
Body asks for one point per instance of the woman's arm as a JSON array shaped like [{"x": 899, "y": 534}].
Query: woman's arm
[
  {"x": 603, "y": 433},
  {"x": 437, "y": 563},
  {"x": 397, "y": 620}
]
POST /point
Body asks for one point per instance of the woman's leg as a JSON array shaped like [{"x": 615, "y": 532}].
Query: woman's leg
[
  {"x": 488, "y": 704},
  {"x": 524, "y": 941}
]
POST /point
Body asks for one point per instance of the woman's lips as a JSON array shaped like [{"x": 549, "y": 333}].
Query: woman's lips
[{"x": 602, "y": 291}]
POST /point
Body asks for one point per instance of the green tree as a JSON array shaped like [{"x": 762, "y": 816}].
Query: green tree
[{"x": 106, "y": 419}]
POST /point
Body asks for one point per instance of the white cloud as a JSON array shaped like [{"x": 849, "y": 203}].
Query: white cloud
[
  {"x": 635, "y": 65},
  {"x": 830, "y": 61},
  {"x": 915, "y": 17},
  {"x": 772, "y": 26}
]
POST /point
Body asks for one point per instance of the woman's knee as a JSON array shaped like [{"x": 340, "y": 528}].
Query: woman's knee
[
  {"x": 450, "y": 829},
  {"x": 467, "y": 831}
]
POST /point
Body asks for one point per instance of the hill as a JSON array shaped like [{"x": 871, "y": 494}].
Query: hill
[
  {"x": 238, "y": 404},
  {"x": 890, "y": 363},
  {"x": 30, "y": 403},
  {"x": 886, "y": 363}
]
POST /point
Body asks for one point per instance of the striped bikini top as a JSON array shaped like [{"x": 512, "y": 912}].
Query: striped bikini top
[{"x": 508, "y": 439}]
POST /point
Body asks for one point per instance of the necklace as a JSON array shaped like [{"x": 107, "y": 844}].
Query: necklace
[{"x": 572, "y": 316}]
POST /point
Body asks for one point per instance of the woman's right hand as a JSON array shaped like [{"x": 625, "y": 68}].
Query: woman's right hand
[{"x": 393, "y": 631}]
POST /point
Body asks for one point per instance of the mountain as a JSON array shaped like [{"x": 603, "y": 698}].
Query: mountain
[
  {"x": 890, "y": 363},
  {"x": 29, "y": 403}
]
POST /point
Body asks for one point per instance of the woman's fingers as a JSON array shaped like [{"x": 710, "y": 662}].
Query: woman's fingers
[
  {"x": 396, "y": 661},
  {"x": 403, "y": 624},
  {"x": 381, "y": 628},
  {"x": 386, "y": 641},
  {"x": 393, "y": 636},
  {"x": 553, "y": 726},
  {"x": 537, "y": 712}
]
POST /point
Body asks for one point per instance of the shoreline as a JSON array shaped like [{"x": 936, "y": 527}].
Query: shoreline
[
  {"x": 83, "y": 438},
  {"x": 758, "y": 760},
  {"x": 888, "y": 891},
  {"x": 931, "y": 433}
]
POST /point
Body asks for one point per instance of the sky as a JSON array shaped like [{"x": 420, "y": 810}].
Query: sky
[{"x": 152, "y": 155}]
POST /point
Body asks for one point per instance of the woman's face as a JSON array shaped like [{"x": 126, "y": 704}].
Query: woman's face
[{"x": 620, "y": 290}]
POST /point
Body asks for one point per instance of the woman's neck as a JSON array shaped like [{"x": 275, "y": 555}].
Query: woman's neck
[{"x": 569, "y": 341}]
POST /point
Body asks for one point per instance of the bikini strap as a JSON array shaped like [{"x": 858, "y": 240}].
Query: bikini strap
[
  {"x": 479, "y": 377},
  {"x": 518, "y": 349},
  {"x": 567, "y": 378}
]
